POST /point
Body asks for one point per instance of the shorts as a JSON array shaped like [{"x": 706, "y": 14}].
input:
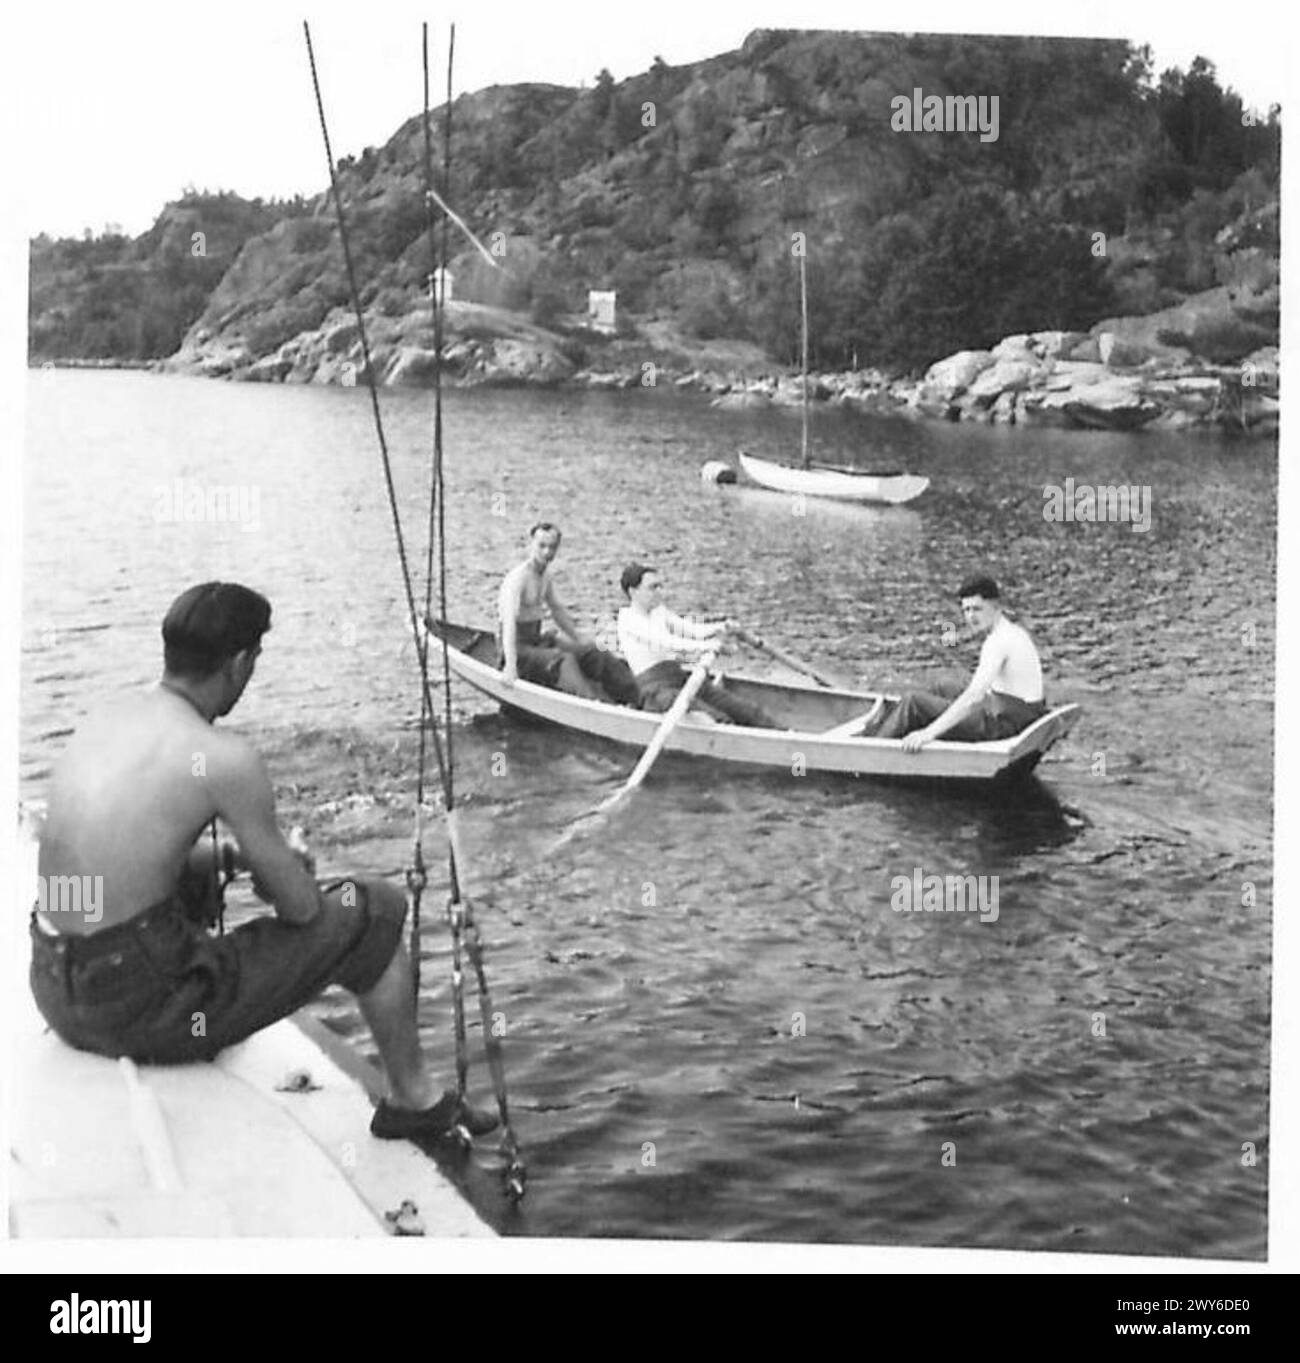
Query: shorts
[
  {"x": 158, "y": 988},
  {"x": 538, "y": 656}
]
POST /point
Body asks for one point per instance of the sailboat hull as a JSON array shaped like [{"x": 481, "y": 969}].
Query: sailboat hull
[{"x": 840, "y": 484}]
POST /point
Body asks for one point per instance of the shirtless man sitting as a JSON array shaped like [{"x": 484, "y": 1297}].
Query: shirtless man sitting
[
  {"x": 143, "y": 975},
  {"x": 1003, "y": 697},
  {"x": 570, "y": 661}
]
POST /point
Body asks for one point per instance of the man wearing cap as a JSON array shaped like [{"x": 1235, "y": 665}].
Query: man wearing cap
[
  {"x": 132, "y": 810},
  {"x": 1003, "y": 697}
]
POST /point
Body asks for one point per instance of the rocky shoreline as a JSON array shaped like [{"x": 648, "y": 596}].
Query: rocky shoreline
[
  {"x": 1116, "y": 377},
  {"x": 1056, "y": 379}
]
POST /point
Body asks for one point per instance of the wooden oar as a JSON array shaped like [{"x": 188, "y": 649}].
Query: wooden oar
[
  {"x": 671, "y": 719},
  {"x": 790, "y": 661}
]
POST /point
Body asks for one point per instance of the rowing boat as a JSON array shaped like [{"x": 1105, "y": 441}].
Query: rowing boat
[
  {"x": 844, "y": 484},
  {"x": 823, "y": 723}
]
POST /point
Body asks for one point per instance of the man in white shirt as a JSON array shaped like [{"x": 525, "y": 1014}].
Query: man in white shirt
[
  {"x": 569, "y": 661},
  {"x": 655, "y": 640},
  {"x": 1003, "y": 697}
]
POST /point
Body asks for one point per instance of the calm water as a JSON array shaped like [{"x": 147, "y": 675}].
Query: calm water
[{"x": 719, "y": 982}]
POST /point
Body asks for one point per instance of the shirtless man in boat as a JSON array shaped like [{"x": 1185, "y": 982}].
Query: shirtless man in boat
[
  {"x": 1003, "y": 697},
  {"x": 570, "y": 661},
  {"x": 130, "y": 824}
]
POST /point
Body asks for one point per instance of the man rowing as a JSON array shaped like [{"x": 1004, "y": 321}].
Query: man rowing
[
  {"x": 568, "y": 661},
  {"x": 655, "y": 640},
  {"x": 144, "y": 976},
  {"x": 1003, "y": 697}
]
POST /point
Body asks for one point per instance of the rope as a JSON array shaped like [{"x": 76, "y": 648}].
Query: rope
[
  {"x": 464, "y": 932},
  {"x": 461, "y": 916},
  {"x": 374, "y": 404}
]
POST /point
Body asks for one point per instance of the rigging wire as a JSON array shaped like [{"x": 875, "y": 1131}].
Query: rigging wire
[
  {"x": 459, "y": 910},
  {"x": 374, "y": 403}
]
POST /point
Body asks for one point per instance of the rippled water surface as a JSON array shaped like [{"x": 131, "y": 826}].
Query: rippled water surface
[{"x": 717, "y": 1026}]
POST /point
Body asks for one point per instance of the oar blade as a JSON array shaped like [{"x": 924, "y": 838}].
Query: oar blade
[{"x": 593, "y": 818}]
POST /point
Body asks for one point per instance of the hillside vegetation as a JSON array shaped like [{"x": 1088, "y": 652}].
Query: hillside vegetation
[{"x": 681, "y": 189}]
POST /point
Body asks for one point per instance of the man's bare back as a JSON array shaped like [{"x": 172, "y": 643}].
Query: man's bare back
[{"x": 128, "y": 799}]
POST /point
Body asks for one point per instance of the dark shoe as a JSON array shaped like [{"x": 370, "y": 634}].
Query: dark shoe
[{"x": 404, "y": 1124}]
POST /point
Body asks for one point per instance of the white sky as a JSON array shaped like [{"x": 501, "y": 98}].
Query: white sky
[{"x": 123, "y": 104}]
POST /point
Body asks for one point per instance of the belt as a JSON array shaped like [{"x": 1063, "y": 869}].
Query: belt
[{"x": 93, "y": 946}]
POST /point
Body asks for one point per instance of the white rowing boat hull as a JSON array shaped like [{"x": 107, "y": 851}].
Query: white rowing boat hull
[
  {"x": 806, "y": 747},
  {"x": 845, "y": 485}
]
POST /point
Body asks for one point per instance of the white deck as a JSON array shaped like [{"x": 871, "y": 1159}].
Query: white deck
[{"x": 208, "y": 1150}]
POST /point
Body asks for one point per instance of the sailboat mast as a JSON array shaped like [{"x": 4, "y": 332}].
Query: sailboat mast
[{"x": 803, "y": 309}]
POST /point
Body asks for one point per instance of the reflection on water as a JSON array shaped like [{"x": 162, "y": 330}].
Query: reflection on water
[{"x": 719, "y": 973}]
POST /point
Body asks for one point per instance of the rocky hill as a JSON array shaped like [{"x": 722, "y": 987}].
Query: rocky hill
[
  {"x": 116, "y": 298},
  {"x": 682, "y": 189}
]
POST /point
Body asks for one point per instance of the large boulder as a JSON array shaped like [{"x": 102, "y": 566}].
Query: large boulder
[
  {"x": 270, "y": 368},
  {"x": 1123, "y": 353},
  {"x": 1017, "y": 347},
  {"x": 1053, "y": 344},
  {"x": 945, "y": 379},
  {"x": 1086, "y": 351},
  {"x": 1005, "y": 376},
  {"x": 412, "y": 365},
  {"x": 1068, "y": 374},
  {"x": 1118, "y": 404},
  {"x": 509, "y": 361}
]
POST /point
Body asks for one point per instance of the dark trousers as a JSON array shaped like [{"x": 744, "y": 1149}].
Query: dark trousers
[
  {"x": 997, "y": 716},
  {"x": 541, "y": 656},
  {"x": 609, "y": 671},
  {"x": 661, "y": 684}
]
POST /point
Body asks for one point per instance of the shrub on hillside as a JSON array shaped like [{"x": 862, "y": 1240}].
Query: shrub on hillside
[{"x": 1220, "y": 342}]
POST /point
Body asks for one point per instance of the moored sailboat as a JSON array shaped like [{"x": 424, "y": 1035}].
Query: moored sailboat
[{"x": 827, "y": 480}]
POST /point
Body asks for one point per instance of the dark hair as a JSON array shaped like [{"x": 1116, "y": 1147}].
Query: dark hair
[
  {"x": 979, "y": 585},
  {"x": 210, "y": 623},
  {"x": 545, "y": 525},
  {"x": 633, "y": 575}
]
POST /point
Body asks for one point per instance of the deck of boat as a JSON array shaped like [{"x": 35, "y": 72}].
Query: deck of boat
[
  {"x": 100, "y": 1148},
  {"x": 207, "y": 1150}
]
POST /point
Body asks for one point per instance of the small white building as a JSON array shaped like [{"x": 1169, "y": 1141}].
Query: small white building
[
  {"x": 601, "y": 310},
  {"x": 445, "y": 282}
]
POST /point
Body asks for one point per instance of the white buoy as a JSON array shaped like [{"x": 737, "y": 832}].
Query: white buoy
[{"x": 718, "y": 471}]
